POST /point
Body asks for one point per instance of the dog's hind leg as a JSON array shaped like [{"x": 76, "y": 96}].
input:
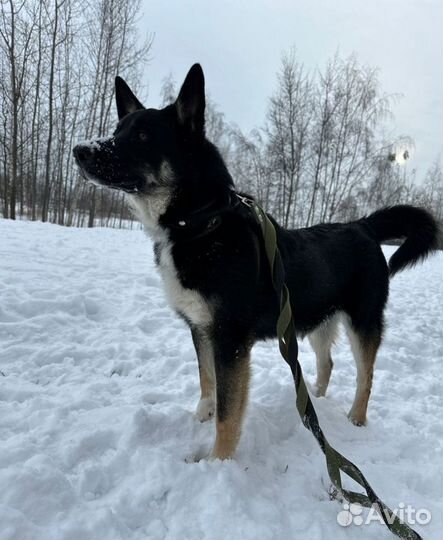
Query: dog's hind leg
[
  {"x": 205, "y": 354},
  {"x": 321, "y": 340},
  {"x": 232, "y": 374},
  {"x": 364, "y": 348}
]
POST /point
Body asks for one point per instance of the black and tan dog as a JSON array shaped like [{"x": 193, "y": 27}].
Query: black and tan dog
[{"x": 210, "y": 256}]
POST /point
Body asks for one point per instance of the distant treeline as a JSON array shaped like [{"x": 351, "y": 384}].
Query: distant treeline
[
  {"x": 58, "y": 61},
  {"x": 318, "y": 155}
]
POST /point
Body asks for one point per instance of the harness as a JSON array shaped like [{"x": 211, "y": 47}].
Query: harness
[{"x": 205, "y": 221}]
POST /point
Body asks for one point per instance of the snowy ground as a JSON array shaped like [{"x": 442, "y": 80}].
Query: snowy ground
[{"x": 99, "y": 382}]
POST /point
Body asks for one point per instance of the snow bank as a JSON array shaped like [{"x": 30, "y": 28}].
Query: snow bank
[{"x": 98, "y": 386}]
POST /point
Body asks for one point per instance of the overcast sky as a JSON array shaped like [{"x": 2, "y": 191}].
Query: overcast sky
[{"x": 240, "y": 43}]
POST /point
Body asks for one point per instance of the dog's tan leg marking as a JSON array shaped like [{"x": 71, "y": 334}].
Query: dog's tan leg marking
[
  {"x": 365, "y": 352},
  {"x": 232, "y": 396},
  {"x": 324, "y": 370},
  {"x": 321, "y": 340},
  {"x": 203, "y": 346}
]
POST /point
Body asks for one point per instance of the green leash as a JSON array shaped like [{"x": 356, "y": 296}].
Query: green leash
[{"x": 287, "y": 340}]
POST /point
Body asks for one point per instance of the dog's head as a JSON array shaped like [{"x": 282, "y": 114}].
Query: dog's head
[{"x": 150, "y": 149}]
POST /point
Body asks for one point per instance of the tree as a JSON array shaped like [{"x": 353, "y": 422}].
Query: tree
[
  {"x": 15, "y": 41},
  {"x": 431, "y": 193},
  {"x": 289, "y": 120},
  {"x": 349, "y": 109}
]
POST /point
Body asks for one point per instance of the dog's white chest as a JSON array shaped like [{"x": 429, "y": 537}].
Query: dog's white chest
[{"x": 187, "y": 302}]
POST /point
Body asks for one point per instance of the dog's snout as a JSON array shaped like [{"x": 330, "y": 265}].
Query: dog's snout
[{"x": 83, "y": 154}]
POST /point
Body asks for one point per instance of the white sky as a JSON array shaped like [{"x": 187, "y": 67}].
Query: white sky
[{"x": 239, "y": 44}]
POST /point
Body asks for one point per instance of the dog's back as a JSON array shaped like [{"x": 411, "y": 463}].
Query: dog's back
[{"x": 340, "y": 266}]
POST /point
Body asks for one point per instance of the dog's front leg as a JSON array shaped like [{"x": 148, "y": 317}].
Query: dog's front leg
[
  {"x": 232, "y": 375},
  {"x": 205, "y": 355}
]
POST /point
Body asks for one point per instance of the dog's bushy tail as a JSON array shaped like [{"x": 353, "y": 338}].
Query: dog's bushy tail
[{"x": 419, "y": 228}]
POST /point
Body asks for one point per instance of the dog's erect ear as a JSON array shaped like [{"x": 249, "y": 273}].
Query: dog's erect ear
[
  {"x": 190, "y": 103},
  {"x": 126, "y": 101}
]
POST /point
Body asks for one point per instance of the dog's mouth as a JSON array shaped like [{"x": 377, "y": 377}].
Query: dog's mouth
[{"x": 126, "y": 185}]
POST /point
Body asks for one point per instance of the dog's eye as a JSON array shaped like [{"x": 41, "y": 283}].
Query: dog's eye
[{"x": 142, "y": 135}]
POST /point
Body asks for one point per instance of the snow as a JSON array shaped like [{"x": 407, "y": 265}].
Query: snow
[{"x": 99, "y": 384}]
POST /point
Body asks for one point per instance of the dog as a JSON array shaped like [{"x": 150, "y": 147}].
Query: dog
[{"x": 210, "y": 255}]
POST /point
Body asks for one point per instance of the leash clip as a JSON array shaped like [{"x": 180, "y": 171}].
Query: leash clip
[{"x": 247, "y": 202}]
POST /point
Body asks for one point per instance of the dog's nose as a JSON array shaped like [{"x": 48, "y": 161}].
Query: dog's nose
[{"x": 83, "y": 154}]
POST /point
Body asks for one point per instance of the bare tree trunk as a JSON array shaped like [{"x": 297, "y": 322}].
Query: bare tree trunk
[
  {"x": 47, "y": 190},
  {"x": 35, "y": 118}
]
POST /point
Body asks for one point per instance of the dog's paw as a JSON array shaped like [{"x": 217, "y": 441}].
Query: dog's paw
[
  {"x": 357, "y": 419},
  {"x": 205, "y": 409},
  {"x": 318, "y": 391}
]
